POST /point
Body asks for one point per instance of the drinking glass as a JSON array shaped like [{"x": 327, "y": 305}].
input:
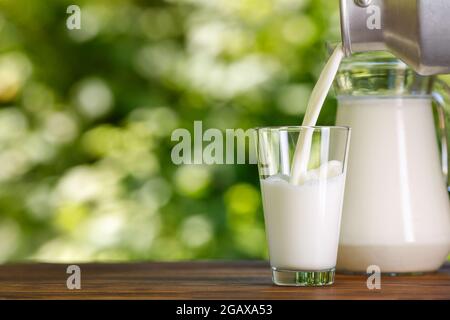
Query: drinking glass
[{"x": 302, "y": 210}]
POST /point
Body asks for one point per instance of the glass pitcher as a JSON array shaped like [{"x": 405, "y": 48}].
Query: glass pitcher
[{"x": 396, "y": 211}]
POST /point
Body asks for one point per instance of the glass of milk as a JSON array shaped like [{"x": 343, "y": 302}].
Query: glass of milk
[{"x": 303, "y": 216}]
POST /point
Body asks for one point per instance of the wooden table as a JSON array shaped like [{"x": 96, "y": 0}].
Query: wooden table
[{"x": 202, "y": 280}]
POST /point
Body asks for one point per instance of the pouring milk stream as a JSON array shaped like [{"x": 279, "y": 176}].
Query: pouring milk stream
[{"x": 315, "y": 103}]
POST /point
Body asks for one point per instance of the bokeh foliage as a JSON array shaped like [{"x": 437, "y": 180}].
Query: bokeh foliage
[{"x": 86, "y": 118}]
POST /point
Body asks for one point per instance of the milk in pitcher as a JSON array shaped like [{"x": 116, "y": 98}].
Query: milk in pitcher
[{"x": 396, "y": 209}]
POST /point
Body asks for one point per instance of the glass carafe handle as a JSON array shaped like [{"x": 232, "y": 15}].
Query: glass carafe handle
[{"x": 440, "y": 97}]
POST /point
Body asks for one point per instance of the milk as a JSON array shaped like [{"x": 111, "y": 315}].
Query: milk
[
  {"x": 396, "y": 212},
  {"x": 315, "y": 103},
  {"x": 302, "y": 211},
  {"x": 302, "y": 221}
]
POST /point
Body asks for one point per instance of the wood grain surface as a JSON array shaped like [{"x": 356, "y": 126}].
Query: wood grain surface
[{"x": 202, "y": 280}]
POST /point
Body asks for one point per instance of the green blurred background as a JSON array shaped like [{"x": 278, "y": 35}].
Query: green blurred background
[{"x": 86, "y": 118}]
